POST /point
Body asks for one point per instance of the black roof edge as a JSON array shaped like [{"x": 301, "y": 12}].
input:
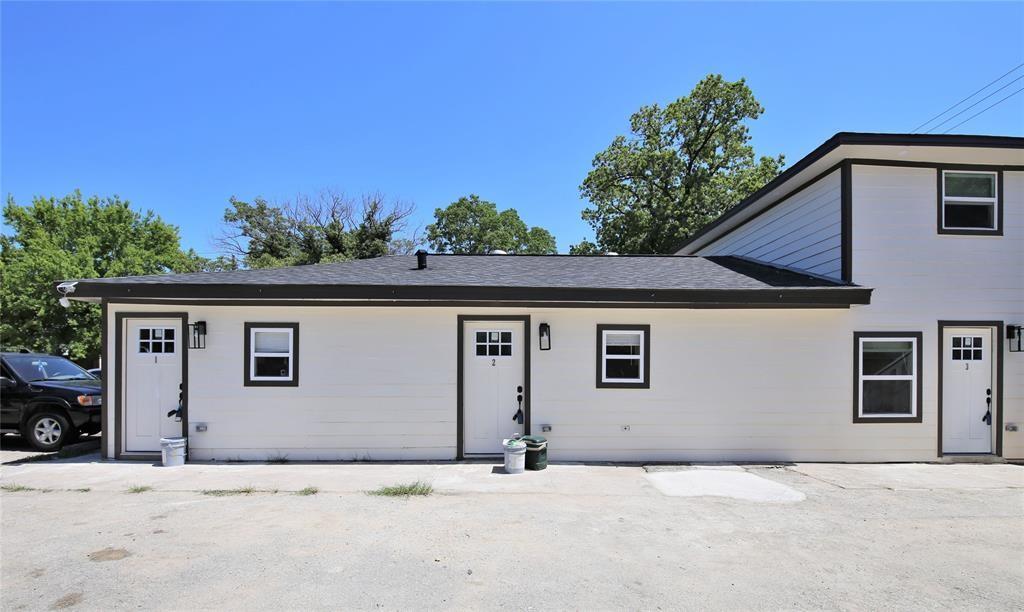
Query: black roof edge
[
  {"x": 797, "y": 296},
  {"x": 863, "y": 138}
]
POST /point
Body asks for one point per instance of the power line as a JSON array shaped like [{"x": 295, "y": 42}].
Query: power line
[
  {"x": 1014, "y": 69},
  {"x": 983, "y": 110},
  {"x": 967, "y": 108}
]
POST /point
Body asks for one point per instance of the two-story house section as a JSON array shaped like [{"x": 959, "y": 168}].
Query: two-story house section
[
  {"x": 935, "y": 226},
  {"x": 863, "y": 306}
]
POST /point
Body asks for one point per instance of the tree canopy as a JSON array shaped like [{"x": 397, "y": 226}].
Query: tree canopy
[
  {"x": 679, "y": 169},
  {"x": 323, "y": 228},
  {"x": 74, "y": 237},
  {"x": 471, "y": 225}
]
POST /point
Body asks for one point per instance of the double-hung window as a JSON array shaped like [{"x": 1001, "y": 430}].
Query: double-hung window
[
  {"x": 887, "y": 387},
  {"x": 272, "y": 354},
  {"x": 623, "y": 356},
  {"x": 969, "y": 202}
]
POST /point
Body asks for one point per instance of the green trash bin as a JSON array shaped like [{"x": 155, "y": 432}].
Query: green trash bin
[{"x": 536, "y": 452}]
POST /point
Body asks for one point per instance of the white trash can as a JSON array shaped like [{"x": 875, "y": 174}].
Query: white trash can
[
  {"x": 515, "y": 456},
  {"x": 173, "y": 451}
]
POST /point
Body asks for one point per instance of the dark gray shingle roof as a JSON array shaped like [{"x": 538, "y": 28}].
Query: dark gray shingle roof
[{"x": 484, "y": 277}]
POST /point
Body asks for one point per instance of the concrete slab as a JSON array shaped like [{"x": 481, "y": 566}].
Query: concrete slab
[
  {"x": 586, "y": 537},
  {"x": 719, "y": 482},
  {"x": 563, "y": 479},
  {"x": 914, "y": 476}
]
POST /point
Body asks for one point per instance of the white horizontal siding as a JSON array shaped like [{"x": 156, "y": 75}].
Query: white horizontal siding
[
  {"x": 802, "y": 232},
  {"x": 380, "y": 383},
  {"x": 759, "y": 385},
  {"x": 920, "y": 276}
]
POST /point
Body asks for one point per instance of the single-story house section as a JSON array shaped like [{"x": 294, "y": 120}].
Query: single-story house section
[{"x": 863, "y": 306}]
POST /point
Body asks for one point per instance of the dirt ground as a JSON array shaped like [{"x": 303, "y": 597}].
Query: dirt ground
[{"x": 571, "y": 537}]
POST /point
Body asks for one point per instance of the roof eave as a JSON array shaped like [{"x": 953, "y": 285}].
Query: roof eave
[{"x": 770, "y": 297}]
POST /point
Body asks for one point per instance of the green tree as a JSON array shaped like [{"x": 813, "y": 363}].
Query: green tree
[
  {"x": 471, "y": 225},
  {"x": 72, "y": 237},
  {"x": 314, "y": 229},
  {"x": 584, "y": 247},
  {"x": 679, "y": 169}
]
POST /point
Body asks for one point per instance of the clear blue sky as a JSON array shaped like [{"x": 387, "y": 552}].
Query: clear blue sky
[{"x": 178, "y": 106}]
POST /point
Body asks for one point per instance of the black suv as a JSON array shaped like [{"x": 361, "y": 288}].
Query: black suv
[{"x": 47, "y": 399}]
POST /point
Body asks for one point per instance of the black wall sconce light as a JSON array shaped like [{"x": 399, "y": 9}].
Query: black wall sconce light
[
  {"x": 545, "y": 337},
  {"x": 198, "y": 335},
  {"x": 1013, "y": 336}
]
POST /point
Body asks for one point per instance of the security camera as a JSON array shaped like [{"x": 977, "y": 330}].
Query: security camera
[{"x": 66, "y": 289}]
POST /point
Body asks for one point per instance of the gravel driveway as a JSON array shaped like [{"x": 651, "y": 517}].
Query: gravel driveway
[{"x": 572, "y": 537}]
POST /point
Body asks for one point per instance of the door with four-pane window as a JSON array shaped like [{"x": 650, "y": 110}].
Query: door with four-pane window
[
  {"x": 152, "y": 382},
  {"x": 968, "y": 408},
  {"x": 494, "y": 392}
]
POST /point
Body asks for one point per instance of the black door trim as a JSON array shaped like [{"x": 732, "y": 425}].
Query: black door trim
[
  {"x": 997, "y": 418},
  {"x": 460, "y": 419},
  {"x": 119, "y": 376}
]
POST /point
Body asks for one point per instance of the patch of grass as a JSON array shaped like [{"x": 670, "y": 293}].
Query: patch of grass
[
  {"x": 229, "y": 492},
  {"x": 139, "y": 488},
  {"x": 404, "y": 490},
  {"x": 15, "y": 488},
  {"x": 308, "y": 491},
  {"x": 83, "y": 490},
  {"x": 278, "y": 459}
]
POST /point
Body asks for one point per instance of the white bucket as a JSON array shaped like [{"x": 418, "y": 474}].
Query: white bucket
[
  {"x": 515, "y": 456},
  {"x": 172, "y": 451}
]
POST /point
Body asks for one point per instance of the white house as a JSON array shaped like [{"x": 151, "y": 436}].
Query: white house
[{"x": 863, "y": 306}]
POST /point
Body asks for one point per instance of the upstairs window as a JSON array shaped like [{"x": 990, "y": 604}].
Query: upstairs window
[
  {"x": 623, "y": 356},
  {"x": 969, "y": 202},
  {"x": 272, "y": 354}
]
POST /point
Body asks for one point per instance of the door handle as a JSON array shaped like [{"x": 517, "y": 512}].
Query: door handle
[
  {"x": 518, "y": 417},
  {"x": 987, "y": 419}
]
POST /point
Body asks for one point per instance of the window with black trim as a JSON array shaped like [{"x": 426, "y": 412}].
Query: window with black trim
[
  {"x": 272, "y": 354},
  {"x": 623, "y": 356},
  {"x": 887, "y": 379},
  {"x": 969, "y": 202}
]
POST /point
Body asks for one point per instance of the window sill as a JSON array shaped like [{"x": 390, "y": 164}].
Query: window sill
[
  {"x": 623, "y": 385},
  {"x": 876, "y": 419},
  {"x": 271, "y": 383},
  {"x": 969, "y": 232}
]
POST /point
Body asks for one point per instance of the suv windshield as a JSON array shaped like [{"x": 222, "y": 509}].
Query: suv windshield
[{"x": 33, "y": 368}]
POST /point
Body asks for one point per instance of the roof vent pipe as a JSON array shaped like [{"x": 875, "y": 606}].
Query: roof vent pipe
[
  {"x": 611, "y": 253},
  {"x": 499, "y": 252},
  {"x": 421, "y": 260}
]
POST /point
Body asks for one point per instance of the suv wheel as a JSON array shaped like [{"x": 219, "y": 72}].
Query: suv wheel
[{"x": 47, "y": 431}]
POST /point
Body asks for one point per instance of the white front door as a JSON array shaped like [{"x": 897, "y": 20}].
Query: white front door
[
  {"x": 152, "y": 379},
  {"x": 493, "y": 387},
  {"x": 968, "y": 408}
]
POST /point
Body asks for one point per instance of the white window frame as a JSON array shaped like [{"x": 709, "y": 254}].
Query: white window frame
[
  {"x": 253, "y": 354},
  {"x": 861, "y": 377},
  {"x": 150, "y": 340},
  {"x": 638, "y": 358},
  {"x": 511, "y": 343},
  {"x": 993, "y": 201}
]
